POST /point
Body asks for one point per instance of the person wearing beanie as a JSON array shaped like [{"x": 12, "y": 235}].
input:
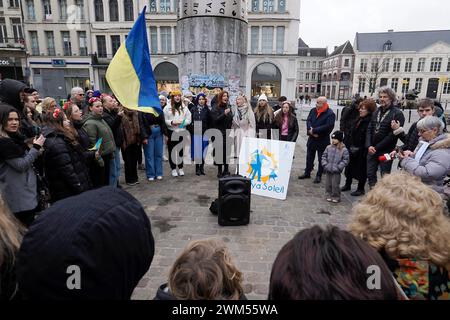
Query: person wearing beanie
[
  {"x": 97, "y": 94},
  {"x": 334, "y": 160},
  {"x": 264, "y": 118},
  {"x": 94, "y": 246}
]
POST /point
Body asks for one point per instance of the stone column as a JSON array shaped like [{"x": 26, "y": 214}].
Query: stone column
[{"x": 213, "y": 40}]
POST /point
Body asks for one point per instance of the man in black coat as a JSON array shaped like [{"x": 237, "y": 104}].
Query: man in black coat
[
  {"x": 380, "y": 135},
  {"x": 11, "y": 92},
  {"x": 320, "y": 124}
]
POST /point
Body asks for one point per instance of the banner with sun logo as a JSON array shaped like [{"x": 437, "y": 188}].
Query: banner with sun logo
[{"x": 267, "y": 163}]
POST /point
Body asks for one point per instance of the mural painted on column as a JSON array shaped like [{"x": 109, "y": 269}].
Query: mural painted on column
[{"x": 212, "y": 44}]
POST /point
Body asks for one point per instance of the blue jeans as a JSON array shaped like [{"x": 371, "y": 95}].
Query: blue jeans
[
  {"x": 114, "y": 169},
  {"x": 198, "y": 148},
  {"x": 153, "y": 153}
]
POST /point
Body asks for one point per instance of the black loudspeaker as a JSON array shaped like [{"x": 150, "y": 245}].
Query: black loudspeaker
[{"x": 234, "y": 201}]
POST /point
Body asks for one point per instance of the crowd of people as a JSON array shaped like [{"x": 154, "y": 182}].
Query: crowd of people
[{"x": 65, "y": 162}]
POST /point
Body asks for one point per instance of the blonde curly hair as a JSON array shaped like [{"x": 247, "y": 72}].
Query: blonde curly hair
[
  {"x": 205, "y": 271},
  {"x": 404, "y": 217}
]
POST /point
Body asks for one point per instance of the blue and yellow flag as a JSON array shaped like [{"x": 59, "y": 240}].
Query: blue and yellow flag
[{"x": 130, "y": 75}]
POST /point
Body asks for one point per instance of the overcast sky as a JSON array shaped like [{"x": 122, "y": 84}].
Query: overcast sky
[{"x": 329, "y": 23}]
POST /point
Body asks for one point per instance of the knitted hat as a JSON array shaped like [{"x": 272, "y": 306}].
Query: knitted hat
[
  {"x": 338, "y": 135},
  {"x": 262, "y": 97},
  {"x": 97, "y": 94}
]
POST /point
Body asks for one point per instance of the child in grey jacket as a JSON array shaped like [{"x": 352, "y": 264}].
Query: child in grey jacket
[{"x": 334, "y": 160}]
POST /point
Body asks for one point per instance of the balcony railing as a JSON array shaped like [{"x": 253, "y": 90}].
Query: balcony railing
[{"x": 17, "y": 43}]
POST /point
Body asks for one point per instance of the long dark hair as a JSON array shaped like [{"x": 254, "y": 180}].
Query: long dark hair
[
  {"x": 220, "y": 104},
  {"x": 55, "y": 119},
  {"x": 280, "y": 115},
  {"x": 328, "y": 264}
]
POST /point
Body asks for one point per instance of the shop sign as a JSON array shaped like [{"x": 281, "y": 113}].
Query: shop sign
[
  {"x": 58, "y": 63},
  {"x": 5, "y": 62}
]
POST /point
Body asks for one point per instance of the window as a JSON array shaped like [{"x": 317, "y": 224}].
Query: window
[
  {"x": 47, "y": 9},
  {"x": 308, "y": 64},
  {"x": 397, "y": 62},
  {"x": 280, "y": 40},
  {"x": 254, "y": 41},
  {"x": 314, "y": 65},
  {"x": 113, "y": 10},
  {"x": 362, "y": 85},
  {"x": 394, "y": 84},
  {"x": 115, "y": 44},
  {"x": 405, "y": 85},
  {"x": 363, "y": 67},
  {"x": 152, "y": 5},
  {"x": 82, "y": 42},
  {"x": 446, "y": 89},
  {"x": 166, "y": 39},
  {"x": 320, "y": 64},
  {"x": 374, "y": 66},
  {"x": 17, "y": 29},
  {"x": 268, "y": 6},
  {"x": 14, "y": 3},
  {"x": 307, "y": 76},
  {"x": 31, "y": 14},
  {"x": 313, "y": 76},
  {"x": 421, "y": 65},
  {"x": 448, "y": 65},
  {"x": 129, "y": 11},
  {"x": 347, "y": 63},
  {"x": 153, "y": 40},
  {"x": 165, "y": 6},
  {"x": 267, "y": 40},
  {"x": 408, "y": 65},
  {"x": 302, "y": 64},
  {"x": 34, "y": 43},
  {"x": 387, "y": 46},
  {"x": 386, "y": 62},
  {"x": 98, "y": 6},
  {"x": 255, "y": 5},
  {"x": 62, "y": 9},
  {"x": 383, "y": 82},
  {"x": 418, "y": 85},
  {"x": 3, "y": 33},
  {"x": 101, "y": 47},
  {"x": 436, "y": 64},
  {"x": 282, "y": 6},
  {"x": 50, "y": 43},
  {"x": 301, "y": 77},
  {"x": 67, "y": 45}
]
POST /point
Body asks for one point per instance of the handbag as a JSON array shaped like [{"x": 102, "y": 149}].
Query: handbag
[{"x": 43, "y": 192}]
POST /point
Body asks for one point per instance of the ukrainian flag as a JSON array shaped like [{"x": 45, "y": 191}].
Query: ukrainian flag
[{"x": 130, "y": 74}]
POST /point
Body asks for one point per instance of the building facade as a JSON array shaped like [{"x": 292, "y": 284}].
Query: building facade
[
  {"x": 58, "y": 45},
  {"x": 404, "y": 61},
  {"x": 309, "y": 70},
  {"x": 12, "y": 45},
  {"x": 337, "y": 73}
]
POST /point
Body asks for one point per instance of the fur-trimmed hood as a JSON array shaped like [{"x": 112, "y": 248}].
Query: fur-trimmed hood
[{"x": 441, "y": 142}]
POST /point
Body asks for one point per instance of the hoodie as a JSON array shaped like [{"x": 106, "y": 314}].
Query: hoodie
[
  {"x": 10, "y": 93},
  {"x": 105, "y": 234}
]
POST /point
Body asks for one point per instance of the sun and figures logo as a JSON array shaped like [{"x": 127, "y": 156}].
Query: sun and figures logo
[{"x": 263, "y": 166}]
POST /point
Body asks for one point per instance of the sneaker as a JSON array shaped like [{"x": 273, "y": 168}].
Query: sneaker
[
  {"x": 174, "y": 173},
  {"x": 151, "y": 179},
  {"x": 165, "y": 158},
  {"x": 335, "y": 200},
  {"x": 133, "y": 183},
  {"x": 158, "y": 178},
  {"x": 181, "y": 172},
  {"x": 329, "y": 199}
]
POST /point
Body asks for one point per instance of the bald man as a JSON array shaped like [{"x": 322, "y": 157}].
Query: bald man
[{"x": 319, "y": 125}]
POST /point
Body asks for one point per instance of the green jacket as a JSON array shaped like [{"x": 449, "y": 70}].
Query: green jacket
[{"x": 97, "y": 128}]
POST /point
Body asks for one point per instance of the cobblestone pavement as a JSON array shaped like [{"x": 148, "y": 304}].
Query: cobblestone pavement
[{"x": 179, "y": 212}]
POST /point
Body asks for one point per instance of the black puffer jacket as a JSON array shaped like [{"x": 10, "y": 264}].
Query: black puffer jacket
[
  {"x": 349, "y": 117},
  {"x": 114, "y": 121},
  {"x": 64, "y": 165},
  {"x": 410, "y": 139},
  {"x": 219, "y": 120},
  {"x": 10, "y": 93},
  {"x": 384, "y": 139}
]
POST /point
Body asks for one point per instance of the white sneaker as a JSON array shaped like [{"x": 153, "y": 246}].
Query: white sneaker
[
  {"x": 181, "y": 172},
  {"x": 165, "y": 158},
  {"x": 174, "y": 173},
  {"x": 151, "y": 179},
  {"x": 158, "y": 178}
]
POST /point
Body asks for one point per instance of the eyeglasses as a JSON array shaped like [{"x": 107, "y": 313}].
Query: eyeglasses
[{"x": 81, "y": 94}]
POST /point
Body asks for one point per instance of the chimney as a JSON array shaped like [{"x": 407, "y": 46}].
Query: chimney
[{"x": 391, "y": 30}]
